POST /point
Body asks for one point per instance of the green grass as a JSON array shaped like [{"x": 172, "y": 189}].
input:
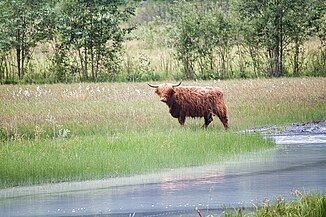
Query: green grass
[
  {"x": 65, "y": 132},
  {"x": 103, "y": 156},
  {"x": 304, "y": 205}
]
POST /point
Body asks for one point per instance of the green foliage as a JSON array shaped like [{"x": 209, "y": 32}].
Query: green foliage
[
  {"x": 91, "y": 31},
  {"x": 87, "y": 36},
  {"x": 275, "y": 26},
  {"x": 85, "y": 40},
  {"x": 23, "y": 24},
  {"x": 231, "y": 39},
  {"x": 202, "y": 35}
]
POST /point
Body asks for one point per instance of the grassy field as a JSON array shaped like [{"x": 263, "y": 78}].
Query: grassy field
[
  {"x": 64, "y": 132},
  {"x": 305, "y": 204}
]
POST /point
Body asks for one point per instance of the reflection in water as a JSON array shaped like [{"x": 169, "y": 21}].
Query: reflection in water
[
  {"x": 191, "y": 181},
  {"x": 268, "y": 174}
]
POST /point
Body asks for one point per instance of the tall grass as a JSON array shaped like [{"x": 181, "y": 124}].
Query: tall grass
[
  {"x": 51, "y": 133},
  {"x": 305, "y": 204},
  {"x": 104, "y": 156},
  {"x": 41, "y": 111}
]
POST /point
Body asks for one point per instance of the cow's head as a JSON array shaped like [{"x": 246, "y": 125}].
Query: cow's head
[{"x": 165, "y": 91}]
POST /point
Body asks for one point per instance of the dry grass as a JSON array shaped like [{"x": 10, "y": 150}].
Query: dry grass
[{"x": 38, "y": 110}]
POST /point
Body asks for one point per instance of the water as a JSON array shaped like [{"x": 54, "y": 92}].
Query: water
[{"x": 297, "y": 163}]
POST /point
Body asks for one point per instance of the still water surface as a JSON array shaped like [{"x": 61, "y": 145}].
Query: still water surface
[{"x": 297, "y": 163}]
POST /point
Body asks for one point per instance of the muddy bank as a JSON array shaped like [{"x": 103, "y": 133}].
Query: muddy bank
[{"x": 316, "y": 127}]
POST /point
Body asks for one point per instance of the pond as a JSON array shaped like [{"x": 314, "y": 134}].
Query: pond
[{"x": 297, "y": 163}]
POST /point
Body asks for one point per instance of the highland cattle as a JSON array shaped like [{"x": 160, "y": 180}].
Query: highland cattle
[{"x": 193, "y": 101}]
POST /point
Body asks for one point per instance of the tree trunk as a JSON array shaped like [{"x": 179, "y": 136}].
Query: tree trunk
[
  {"x": 253, "y": 60},
  {"x": 189, "y": 71},
  {"x": 18, "y": 51},
  {"x": 280, "y": 69},
  {"x": 211, "y": 60},
  {"x": 92, "y": 62},
  {"x": 23, "y": 49},
  {"x": 91, "y": 51},
  {"x": 98, "y": 57},
  {"x": 273, "y": 62},
  {"x": 296, "y": 57},
  {"x": 223, "y": 63},
  {"x": 85, "y": 63},
  {"x": 81, "y": 63},
  {"x": 276, "y": 62}
]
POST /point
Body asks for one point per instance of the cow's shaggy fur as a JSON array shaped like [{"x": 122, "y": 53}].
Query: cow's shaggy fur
[{"x": 193, "y": 102}]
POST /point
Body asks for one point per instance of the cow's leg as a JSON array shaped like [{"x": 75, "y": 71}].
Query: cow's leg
[
  {"x": 208, "y": 119},
  {"x": 182, "y": 120}
]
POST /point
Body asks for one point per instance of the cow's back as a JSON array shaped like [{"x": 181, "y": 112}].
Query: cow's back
[{"x": 197, "y": 101}]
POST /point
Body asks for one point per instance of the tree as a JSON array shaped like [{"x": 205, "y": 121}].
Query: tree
[
  {"x": 24, "y": 23},
  {"x": 274, "y": 25},
  {"x": 202, "y": 38},
  {"x": 317, "y": 24},
  {"x": 185, "y": 35},
  {"x": 262, "y": 27},
  {"x": 93, "y": 31}
]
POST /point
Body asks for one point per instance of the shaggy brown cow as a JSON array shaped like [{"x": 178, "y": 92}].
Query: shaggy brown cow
[{"x": 193, "y": 102}]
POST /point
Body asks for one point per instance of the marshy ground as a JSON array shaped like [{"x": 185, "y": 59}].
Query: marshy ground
[{"x": 71, "y": 132}]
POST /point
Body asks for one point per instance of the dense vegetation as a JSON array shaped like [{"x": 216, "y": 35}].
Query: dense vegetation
[{"x": 50, "y": 41}]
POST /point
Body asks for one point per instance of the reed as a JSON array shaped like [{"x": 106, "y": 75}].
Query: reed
[{"x": 304, "y": 204}]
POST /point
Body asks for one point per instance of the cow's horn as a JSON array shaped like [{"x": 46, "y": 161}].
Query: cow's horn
[
  {"x": 175, "y": 85},
  {"x": 152, "y": 85}
]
